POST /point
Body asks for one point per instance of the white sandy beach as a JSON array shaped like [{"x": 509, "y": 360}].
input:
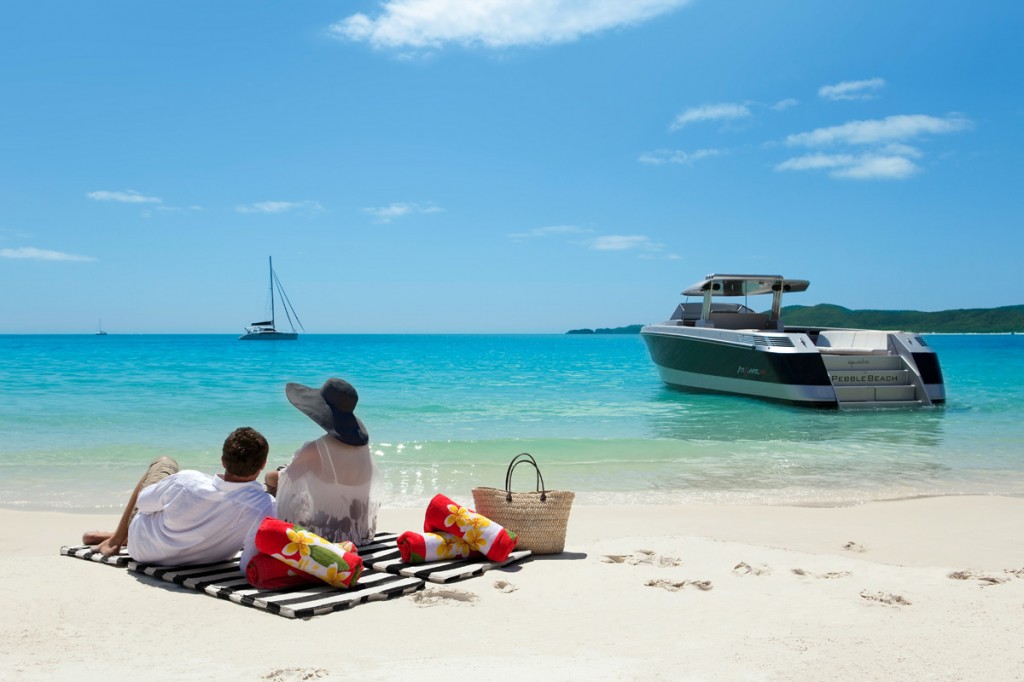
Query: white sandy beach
[{"x": 651, "y": 593}]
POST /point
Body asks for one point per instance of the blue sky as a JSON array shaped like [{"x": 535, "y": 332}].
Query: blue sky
[{"x": 500, "y": 165}]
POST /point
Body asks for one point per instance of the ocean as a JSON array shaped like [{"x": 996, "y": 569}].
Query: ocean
[{"x": 81, "y": 417}]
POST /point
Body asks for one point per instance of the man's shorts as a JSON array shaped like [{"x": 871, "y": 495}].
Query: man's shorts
[{"x": 161, "y": 468}]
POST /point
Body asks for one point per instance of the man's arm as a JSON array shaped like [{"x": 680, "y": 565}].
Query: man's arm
[{"x": 113, "y": 544}]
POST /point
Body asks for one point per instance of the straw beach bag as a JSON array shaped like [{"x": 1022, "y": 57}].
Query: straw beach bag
[{"x": 537, "y": 518}]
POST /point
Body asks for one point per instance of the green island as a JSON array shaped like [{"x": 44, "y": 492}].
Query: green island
[{"x": 1004, "y": 320}]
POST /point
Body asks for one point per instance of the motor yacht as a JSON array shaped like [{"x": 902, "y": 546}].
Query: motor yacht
[{"x": 728, "y": 347}]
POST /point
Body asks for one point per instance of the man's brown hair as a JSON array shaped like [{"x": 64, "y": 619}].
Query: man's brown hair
[{"x": 245, "y": 452}]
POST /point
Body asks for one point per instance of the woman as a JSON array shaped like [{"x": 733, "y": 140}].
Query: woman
[{"x": 332, "y": 486}]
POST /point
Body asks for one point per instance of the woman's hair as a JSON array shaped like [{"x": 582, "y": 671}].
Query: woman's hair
[{"x": 245, "y": 452}]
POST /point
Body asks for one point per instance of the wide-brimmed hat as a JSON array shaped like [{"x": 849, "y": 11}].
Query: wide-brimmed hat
[{"x": 331, "y": 406}]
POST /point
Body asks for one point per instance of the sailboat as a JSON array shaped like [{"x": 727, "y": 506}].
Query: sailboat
[
  {"x": 267, "y": 330},
  {"x": 99, "y": 329}
]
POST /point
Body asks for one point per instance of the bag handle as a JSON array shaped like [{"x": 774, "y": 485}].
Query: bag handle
[{"x": 516, "y": 461}]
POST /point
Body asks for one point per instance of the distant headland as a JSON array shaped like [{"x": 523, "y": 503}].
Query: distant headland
[{"x": 1005, "y": 320}]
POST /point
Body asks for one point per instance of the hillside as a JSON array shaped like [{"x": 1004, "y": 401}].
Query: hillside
[
  {"x": 974, "y": 320},
  {"x": 964, "y": 321}
]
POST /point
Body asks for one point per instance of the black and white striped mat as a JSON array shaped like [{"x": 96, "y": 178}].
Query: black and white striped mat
[
  {"x": 225, "y": 581},
  {"x": 85, "y": 552},
  {"x": 385, "y": 577}
]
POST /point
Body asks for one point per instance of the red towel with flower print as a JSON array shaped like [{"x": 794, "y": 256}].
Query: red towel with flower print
[
  {"x": 418, "y": 548},
  {"x": 267, "y": 573},
  {"x": 334, "y": 563},
  {"x": 478, "y": 532}
]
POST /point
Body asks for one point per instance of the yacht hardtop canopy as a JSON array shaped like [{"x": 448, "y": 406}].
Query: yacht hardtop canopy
[{"x": 745, "y": 285}]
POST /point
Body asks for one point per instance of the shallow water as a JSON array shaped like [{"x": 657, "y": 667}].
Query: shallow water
[{"x": 82, "y": 415}]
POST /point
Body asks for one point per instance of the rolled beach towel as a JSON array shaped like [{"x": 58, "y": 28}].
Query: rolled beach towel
[
  {"x": 418, "y": 548},
  {"x": 334, "y": 563},
  {"x": 477, "y": 531},
  {"x": 268, "y": 573}
]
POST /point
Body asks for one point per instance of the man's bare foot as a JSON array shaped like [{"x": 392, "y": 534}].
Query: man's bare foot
[
  {"x": 95, "y": 537},
  {"x": 109, "y": 547}
]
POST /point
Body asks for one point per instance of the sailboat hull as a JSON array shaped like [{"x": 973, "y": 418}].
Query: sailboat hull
[{"x": 268, "y": 336}]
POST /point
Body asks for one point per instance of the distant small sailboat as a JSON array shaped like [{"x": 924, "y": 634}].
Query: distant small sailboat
[
  {"x": 99, "y": 329},
  {"x": 267, "y": 330}
]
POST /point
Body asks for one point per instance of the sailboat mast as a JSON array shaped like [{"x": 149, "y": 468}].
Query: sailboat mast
[{"x": 273, "y": 321}]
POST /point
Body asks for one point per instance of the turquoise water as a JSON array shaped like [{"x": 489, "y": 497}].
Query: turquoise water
[{"x": 80, "y": 416}]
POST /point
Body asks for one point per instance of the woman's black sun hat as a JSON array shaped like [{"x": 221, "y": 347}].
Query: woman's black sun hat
[{"x": 331, "y": 406}]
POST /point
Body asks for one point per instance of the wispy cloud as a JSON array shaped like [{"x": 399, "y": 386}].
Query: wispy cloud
[
  {"x": 128, "y": 196},
  {"x": 549, "y": 231},
  {"x": 280, "y": 207},
  {"x": 618, "y": 242},
  {"x": 385, "y": 214},
  {"x": 784, "y": 104},
  {"x": 889, "y": 129},
  {"x": 7, "y": 234},
  {"x": 660, "y": 157},
  {"x": 888, "y": 155},
  {"x": 179, "y": 209},
  {"x": 854, "y": 166},
  {"x": 646, "y": 247},
  {"x": 421, "y": 24},
  {"x": 32, "y": 253},
  {"x": 852, "y": 90},
  {"x": 710, "y": 112}
]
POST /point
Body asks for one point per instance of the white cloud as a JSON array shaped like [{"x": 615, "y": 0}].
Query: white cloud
[
  {"x": 854, "y": 167},
  {"x": 129, "y": 196},
  {"x": 879, "y": 131},
  {"x": 710, "y": 112},
  {"x": 549, "y": 231},
  {"x": 784, "y": 104},
  {"x": 875, "y": 149},
  {"x": 615, "y": 242},
  {"x": 32, "y": 253},
  {"x": 872, "y": 167},
  {"x": 279, "y": 207},
  {"x": 660, "y": 157},
  {"x": 386, "y": 214},
  {"x": 900, "y": 149},
  {"x": 852, "y": 90},
  {"x": 816, "y": 161},
  {"x": 179, "y": 209},
  {"x": 423, "y": 24},
  {"x": 612, "y": 242}
]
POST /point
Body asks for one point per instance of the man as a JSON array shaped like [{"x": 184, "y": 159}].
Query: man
[{"x": 181, "y": 518}]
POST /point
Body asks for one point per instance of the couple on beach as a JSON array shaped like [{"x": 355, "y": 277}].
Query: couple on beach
[{"x": 331, "y": 487}]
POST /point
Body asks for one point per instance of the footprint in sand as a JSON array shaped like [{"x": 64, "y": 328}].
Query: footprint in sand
[
  {"x": 443, "y": 596},
  {"x": 885, "y": 598},
  {"x": 675, "y": 586},
  {"x": 640, "y": 557},
  {"x": 852, "y": 546},
  {"x": 743, "y": 568},
  {"x": 294, "y": 674},
  {"x": 504, "y": 586},
  {"x": 831, "y": 575},
  {"x": 985, "y": 580}
]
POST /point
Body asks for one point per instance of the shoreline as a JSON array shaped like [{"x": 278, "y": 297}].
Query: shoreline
[
  {"x": 600, "y": 500},
  {"x": 642, "y": 592}
]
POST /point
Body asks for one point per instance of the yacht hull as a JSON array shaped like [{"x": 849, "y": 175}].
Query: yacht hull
[
  {"x": 731, "y": 366},
  {"x": 268, "y": 336}
]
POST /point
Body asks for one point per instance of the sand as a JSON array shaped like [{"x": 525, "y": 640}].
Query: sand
[{"x": 917, "y": 589}]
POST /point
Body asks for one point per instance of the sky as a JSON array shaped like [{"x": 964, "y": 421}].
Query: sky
[{"x": 501, "y": 166}]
